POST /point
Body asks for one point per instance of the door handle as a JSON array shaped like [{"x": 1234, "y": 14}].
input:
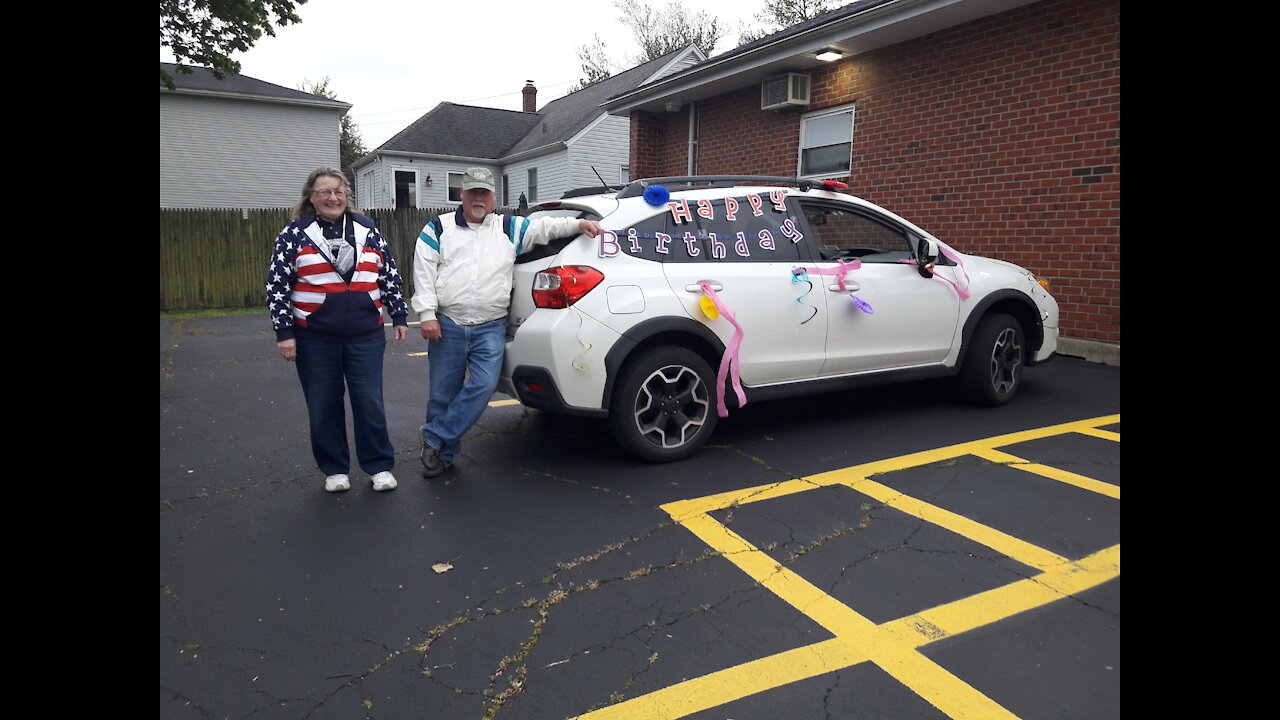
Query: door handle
[
  {"x": 697, "y": 287},
  {"x": 848, "y": 285}
]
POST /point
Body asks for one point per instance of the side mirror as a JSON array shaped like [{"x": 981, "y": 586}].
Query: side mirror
[{"x": 926, "y": 256}]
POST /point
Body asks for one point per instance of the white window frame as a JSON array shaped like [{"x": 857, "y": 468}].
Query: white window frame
[
  {"x": 825, "y": 112},
  {"x": 448, "y": 185},
  {"x": 624, "y": 174},
  {"x": 417, "y": 185},
  {"x": 531, "y": 184}
]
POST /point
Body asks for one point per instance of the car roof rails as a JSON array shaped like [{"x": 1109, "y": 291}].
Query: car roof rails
[{"x": 694, "y": 182}]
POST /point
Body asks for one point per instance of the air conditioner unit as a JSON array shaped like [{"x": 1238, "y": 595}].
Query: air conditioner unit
[{"x": 784, "y": 91}]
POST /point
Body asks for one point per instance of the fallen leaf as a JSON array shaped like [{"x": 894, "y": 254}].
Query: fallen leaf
[{"x": 442, "y": 567}]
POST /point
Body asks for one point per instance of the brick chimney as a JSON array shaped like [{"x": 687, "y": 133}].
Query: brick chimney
[{"x": 530, "y": 97}]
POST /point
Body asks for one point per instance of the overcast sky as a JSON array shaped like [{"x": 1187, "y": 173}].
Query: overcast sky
[{"x": 395, "y": 60}]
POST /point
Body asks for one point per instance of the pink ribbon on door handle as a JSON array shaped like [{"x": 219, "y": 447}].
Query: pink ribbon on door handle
[
  {"x": 840, "y": 271},
  {"x": 728, "y": 361}
]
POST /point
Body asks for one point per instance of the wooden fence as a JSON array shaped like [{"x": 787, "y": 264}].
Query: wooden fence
[{"x": 212, "y": 258}]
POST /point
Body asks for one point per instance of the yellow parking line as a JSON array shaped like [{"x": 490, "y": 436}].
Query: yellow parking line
[
  {"x": 1069, "y": 478},
  {"x": 892, "y": 646}
]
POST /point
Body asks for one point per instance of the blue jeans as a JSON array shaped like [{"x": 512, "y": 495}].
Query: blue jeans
[
  {"x": 328, "y": 371},
  {"x": 458, "y": 400}
]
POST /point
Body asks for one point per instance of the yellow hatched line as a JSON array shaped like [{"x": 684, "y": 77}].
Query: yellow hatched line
[
  {"x": 893, "y": 645},
  {"x": 1104, "y": 434},
  {"x": 720, "y": 501},
  {"x": 1052, "y": 473}
]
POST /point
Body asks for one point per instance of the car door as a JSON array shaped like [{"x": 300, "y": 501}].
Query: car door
[
  {"x": 888, "y": 316},
  {"x": 743, "y": 247}
]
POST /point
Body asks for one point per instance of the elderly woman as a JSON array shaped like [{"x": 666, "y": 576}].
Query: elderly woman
[{"x": 331, "y": 277}]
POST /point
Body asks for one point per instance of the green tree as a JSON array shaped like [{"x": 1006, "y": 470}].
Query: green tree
[
  {"x": 659, "y": 32},
  {"x": 206, "y": 32},
  {"x": 779, "y": 14},
  {"x": 350, "y": 143},
  {"x": 656, "y": 33},
  {"x": 595, "y": 65}
]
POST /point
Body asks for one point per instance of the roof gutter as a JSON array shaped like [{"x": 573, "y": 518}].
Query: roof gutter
[{"x": 319, "y": 102}]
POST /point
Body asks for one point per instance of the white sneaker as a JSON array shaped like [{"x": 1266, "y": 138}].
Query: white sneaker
[
  {"x": 337, "y": 483},
  {"x": 384, "y": 481}
]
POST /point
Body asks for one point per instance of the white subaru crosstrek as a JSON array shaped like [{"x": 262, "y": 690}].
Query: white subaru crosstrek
[{"x": 703, "y": 294}]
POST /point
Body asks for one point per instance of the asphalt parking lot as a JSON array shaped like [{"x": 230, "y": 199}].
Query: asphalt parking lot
[{"x": 881, "y": 553}]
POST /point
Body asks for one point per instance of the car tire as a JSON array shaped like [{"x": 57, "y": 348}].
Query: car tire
[
  {"x": 664, "y": 407},
  {"x": 993, "y": 363}
]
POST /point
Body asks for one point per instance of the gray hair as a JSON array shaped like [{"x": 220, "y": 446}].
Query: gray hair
[{"x": 305, "y": 208}]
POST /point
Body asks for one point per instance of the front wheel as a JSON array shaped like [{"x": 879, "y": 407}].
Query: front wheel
[
  {"x": 992, "y": 370},
  {"x": 664, "y": 406}
]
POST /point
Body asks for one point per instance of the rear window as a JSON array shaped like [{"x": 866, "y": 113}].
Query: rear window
[
  {"x": 555, "y": 246},
  {"x": 747, "y": 228}
]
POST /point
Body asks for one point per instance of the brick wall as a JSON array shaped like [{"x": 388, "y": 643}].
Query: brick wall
[{"x": 1000, "y": 136}]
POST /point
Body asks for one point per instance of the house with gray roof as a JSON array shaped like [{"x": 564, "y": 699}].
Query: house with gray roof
[
  {"x": 537, "y": 153},
  {"x": 240, "y": 142}
]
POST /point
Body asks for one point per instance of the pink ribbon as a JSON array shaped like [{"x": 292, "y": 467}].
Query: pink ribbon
[
  {"x": 729, "y": 361},
  {"x": 839, "y": 271},
  {"x": 963, "y": 292}
]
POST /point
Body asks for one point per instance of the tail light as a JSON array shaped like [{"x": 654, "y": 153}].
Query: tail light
[{"x": 560, "y": 287}]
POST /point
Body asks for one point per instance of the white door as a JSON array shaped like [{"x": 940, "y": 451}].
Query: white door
[{"x": 899, "y": 319}]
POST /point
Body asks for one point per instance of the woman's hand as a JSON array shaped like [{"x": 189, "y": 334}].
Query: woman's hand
[{"x": 288, "y": 349}]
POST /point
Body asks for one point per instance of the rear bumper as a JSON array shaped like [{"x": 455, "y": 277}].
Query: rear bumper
[
  {"x": 556, "y": 362},
  {"x": 535, "y": 387}
]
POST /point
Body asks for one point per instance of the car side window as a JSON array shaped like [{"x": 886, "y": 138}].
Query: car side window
[
  {"x": 750, "y": 228},
  {"x": 844, "y": 233}
]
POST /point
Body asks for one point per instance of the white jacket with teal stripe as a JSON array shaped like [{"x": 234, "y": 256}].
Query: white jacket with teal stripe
[{"x": 464, "y": 271}]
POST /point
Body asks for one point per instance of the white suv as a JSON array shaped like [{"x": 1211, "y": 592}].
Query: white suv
[{"x": 702, "y": 292}]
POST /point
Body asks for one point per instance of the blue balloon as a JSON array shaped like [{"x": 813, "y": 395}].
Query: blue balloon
[{"x": 656, "y": 195}]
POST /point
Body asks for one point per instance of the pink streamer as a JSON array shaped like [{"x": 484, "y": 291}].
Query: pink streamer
[
  {"x": 840, "y": 271},
  {"x": 729, "y": 361},
  {"x": 962, "y": 292}
]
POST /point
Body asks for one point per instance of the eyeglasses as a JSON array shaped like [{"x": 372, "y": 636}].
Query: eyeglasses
[{"x": 327, "y": 193}]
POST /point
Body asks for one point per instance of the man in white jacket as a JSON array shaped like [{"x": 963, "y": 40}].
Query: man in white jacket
[{"x": 462, "y": 290}]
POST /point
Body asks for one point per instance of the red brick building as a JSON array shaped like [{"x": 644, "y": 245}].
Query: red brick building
[{"x": 995, "y": 124}]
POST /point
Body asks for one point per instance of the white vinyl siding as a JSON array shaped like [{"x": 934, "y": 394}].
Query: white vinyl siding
[
  {"x": 232, "y": 153},
  {"x": 604, "y": 146}
]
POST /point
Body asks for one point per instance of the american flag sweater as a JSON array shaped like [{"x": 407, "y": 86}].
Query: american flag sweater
[{"x": 308, "y": 298}]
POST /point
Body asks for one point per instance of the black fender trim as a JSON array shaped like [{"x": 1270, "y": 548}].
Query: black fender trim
[
  {"x": 685, "y": 332},
  {"x": 1014, "y": 302}
]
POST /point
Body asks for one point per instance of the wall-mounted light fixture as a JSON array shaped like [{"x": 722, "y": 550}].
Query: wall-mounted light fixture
[
  {"x": 829, "y": 54},
  {"x": 428, "y": 178},
  {"x": 673, "y": 106}
]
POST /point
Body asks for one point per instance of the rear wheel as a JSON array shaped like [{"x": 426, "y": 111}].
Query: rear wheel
[
  {"x": 993, "y": 364},
  {"x": 663, "y": 408}
]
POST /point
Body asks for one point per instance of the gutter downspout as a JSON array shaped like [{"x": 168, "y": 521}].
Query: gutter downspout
[{"x": 693, "y": 139}]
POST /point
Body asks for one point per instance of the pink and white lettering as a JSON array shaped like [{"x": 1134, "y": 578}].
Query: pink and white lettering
[
  {"x": 609, "y": 243},
  {"x": 718, "y": 250},
  {"x": 790, "y": 230},
  {"x": 680, "y": 211},
  {"x": 728, "y": 361},
  {"x": 663, "y": 239},
  {"x": 756, "y": 204}
]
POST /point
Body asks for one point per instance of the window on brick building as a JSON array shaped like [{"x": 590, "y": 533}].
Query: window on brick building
[{"x": 826, "y": 142}]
